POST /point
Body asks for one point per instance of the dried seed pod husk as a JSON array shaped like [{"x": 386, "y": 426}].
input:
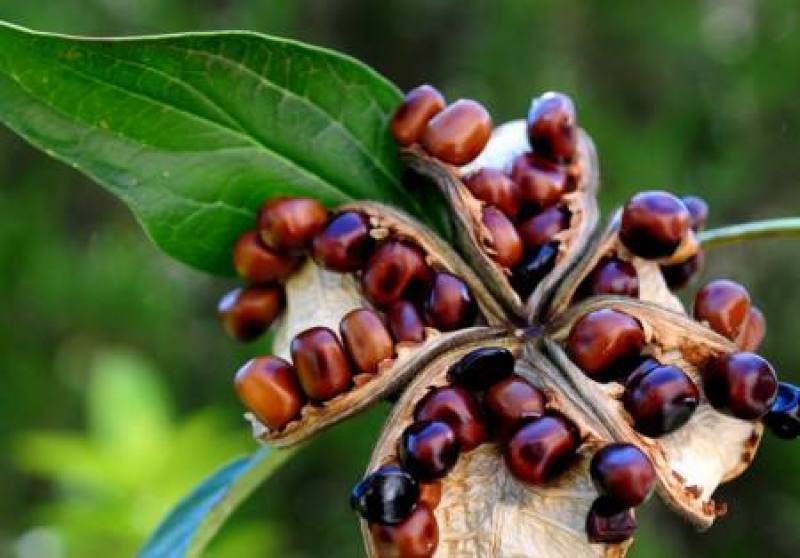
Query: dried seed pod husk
[
  {"x": 484, "y": 511},
  {"x": 474, "y": 239},
  {"x": 694, "y": 460}
]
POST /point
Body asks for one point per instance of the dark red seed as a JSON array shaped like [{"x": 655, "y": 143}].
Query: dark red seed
[
  {"x": 607, "y": 523},
  {"x": 345, "y": 243},
  {"x": 494, "y": 187},
  {"x": 245, "y": 314},
  {"x": 449, "y": 304},
  {"x": 698, "y": 212},
  {"x": 743, "y": 385},
  {"x": 510, "y": 403},
  {"x": 366, "y": 339},
  {"x": 624, "y": 474},
  {"x": 660, "y": 400},
  {"x": 286, "y": 224},
  {"x": 258, "y": 264},
  {"x": 542, "y": 449},
  {"x": 459, "y": 133},
  {"x": 552, "y": 127},
  {"x": 639, "y": 367},
  {"x": 321, "y": 363},
  {"x": 405, "y": 323},
  {"x": 480, "y": 368},
  {"x": 505, "y": 240},
  {"x": 540, "y": 182},
  {"x": 724, "y": 305},
  {"x": 754, "y": 330},
  {"x": 654, "y": 224},
  {"x": 678, "y": 276},
  {"x": 428, "y": 449},
  {"x": 539, "y": 229},
  {"x": 604, "y": 342},
  {"x": 612, "y": 276},
  {"x": 430, "y": 494},
  {"x": 416, "y": 537},
  {"x": 457, "y": 407},
  {"x": 386, "y": 496},
  {"x": 268, "y": 387},
  {"x": 419, "y": 106},
  {"x": 535, "y": 266},
  {"x": 397, "y": 269}
]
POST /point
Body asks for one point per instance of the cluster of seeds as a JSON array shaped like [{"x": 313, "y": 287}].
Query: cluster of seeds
[
  {"x": 523, "y": 209},
  {"x": 405, "y": 295}
]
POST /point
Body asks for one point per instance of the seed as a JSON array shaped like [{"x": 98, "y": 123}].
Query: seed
[
  {"x": 344, "y": 244},
  {"x": 660, "y": 400},
  {"x": 603, "y": 343},
  {"x": 698, "y": 212},
  {"x": 419, "y": 106},
  {"x": 540, "y": 228},
  {"x": 395, "y": 270},
  {"x": 724, "y": 305},
  {"x": 783, "y": 418},
  {"x": 459, "y": 133},
  {"x": 552, "y": 127},
  {"x": 258, "y": 264},
  {"x": 505, "y": 241},
  {"x": 494, "y": 187},
  {"x": 536, "y": 264},
  {"x": 743, "y": 385},
  {"x": 754, "y": 331},
  {"x": 268, "y": 386},
  {"x": 654, "y": 224},
  {"x": 449, "y": 304},
  {"x": 459, "y": 409},
  {"x": 290, "y": 223},
  {"x": 539, "y": 181},
  {"x": 386, "y": 496},
  {"x": 641, "y": 366},
  {"x": 678, "y": 276},
  {"x": 481, "y": 368},
  {"x": 247, "y": 313},
  {"x": 542, "y": 449},
  {"x": 624, "y": 474},
  {"x": 612, "y": 276},
  {"x": 405, "y": 323},
  {"x": 416, "y": 537},
  {"x": 321, "y": 363},
  {"x": 366, "y": 339},
  {"x": 430, "y": 494},
  {"x": 510, "y": 403},
  {"x": 607, "y": 523},
  {"x": 429, "y": 449}
]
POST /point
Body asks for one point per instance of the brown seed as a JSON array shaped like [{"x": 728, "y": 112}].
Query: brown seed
[
  {"x": 604, "y": 342},
  {"x": 366, "y": 339},
  {"x": 539, "y": 229},
  {"x": 321, "y": 363},
  {"x": 457, "y": 407},
  {"x": 542, "y": 449},
  {"x": 396, "y": 270},
  {"x": 612, "y": 276},
  {"x": 405, "y": 323},
  {"x": 344, "y": 244},
  {"x": 609, "y": 524},
  {"x": 742, "y": 384},
  {"x": 754, "y": 331},
  {"x": 698, "y": 212},
  {"x": 416, "y": 537},
  {"x": 430, "y": 494},
  {"x": 268, "y": 386},
  {"x": 540, "y": 182},
  {"x": 247, "y": 313},
  {"x": 623, "y": 473},
  {"x": 724, "y": 305},
  {"x": 659, "y": 399},
  {"x": 459, "y": 133},
  {"x": 679, "y": 275},
  {"x": 654, "y": 224},
  {"x": 449, "y": 304},
  {"x": 494, "y": 187},
  {"x": 510, "y": 403},
  {"x": 552, "y": 127},
  {"x": 290, "y": 223},
  {"x": 258, "y": 264},
  {"x": 419, "y": 106},
  {"x": 505, "y": 240}
]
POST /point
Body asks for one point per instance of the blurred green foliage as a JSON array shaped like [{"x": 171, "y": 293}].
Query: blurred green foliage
[{"x": 693, "y": 96}]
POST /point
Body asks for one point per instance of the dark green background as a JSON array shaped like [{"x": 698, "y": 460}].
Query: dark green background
[{"x": 692, "y": 96}]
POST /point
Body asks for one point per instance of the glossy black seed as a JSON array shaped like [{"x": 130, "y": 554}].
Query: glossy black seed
[
  {"x": 482, "y": 368},
  {"x": 783, "y": 419},
  {"x": 536, "y": 264},
  {"x": 678, "y": 276},
  {"x": 607, "y": 523},
  {"x": 386, "y": 496}
]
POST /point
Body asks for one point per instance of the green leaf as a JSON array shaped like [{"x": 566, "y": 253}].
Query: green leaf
[
  {"x": 195, "y": 131},
  {"x": 188, "y": 529}
]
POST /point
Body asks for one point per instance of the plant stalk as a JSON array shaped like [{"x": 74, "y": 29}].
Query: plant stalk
[{"x": 734, "y": 234}]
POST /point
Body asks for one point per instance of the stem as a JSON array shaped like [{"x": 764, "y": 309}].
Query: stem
[{"x": 734, "y": 234}]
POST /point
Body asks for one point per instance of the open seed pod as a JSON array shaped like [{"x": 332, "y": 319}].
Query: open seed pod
[
  {"x": 475, "y": 240},
  {"x": 692, "y": 460}
]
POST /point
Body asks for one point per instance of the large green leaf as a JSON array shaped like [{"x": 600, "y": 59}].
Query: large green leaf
[
  {"x": 194, "y": 131},
  {"x": 188, "y": 529}
]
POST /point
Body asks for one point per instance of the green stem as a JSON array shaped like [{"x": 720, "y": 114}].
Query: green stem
[{"x": 734, "y": 234}]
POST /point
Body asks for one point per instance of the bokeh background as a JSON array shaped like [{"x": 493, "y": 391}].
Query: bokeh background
[{"x": 116, "y": 381}]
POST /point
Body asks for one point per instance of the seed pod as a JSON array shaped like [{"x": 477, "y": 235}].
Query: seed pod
[
  {"x": 419, "y": 106},
  {"x": 366, "y": 339},
  {"x": 258, "y": 264},
  {"x": 459, "y": 133},
  {"x": 552, "y": 127},
  {"x": 494, "y": 187},
  {"x": 506, "y": 243},
  {"x": 345, "y": 243},
  {"x": 268, "y": 387},
  {"x": 247, "y": 313},
  {"x": 287, "y": 224},
  {"x": 321, "y": 363},
  {"x": 416, "y": 537},
  {"x": 724, "y": 306},
  {"x": 540, "y": 182},
  {"x": 741, "y": 384}
]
